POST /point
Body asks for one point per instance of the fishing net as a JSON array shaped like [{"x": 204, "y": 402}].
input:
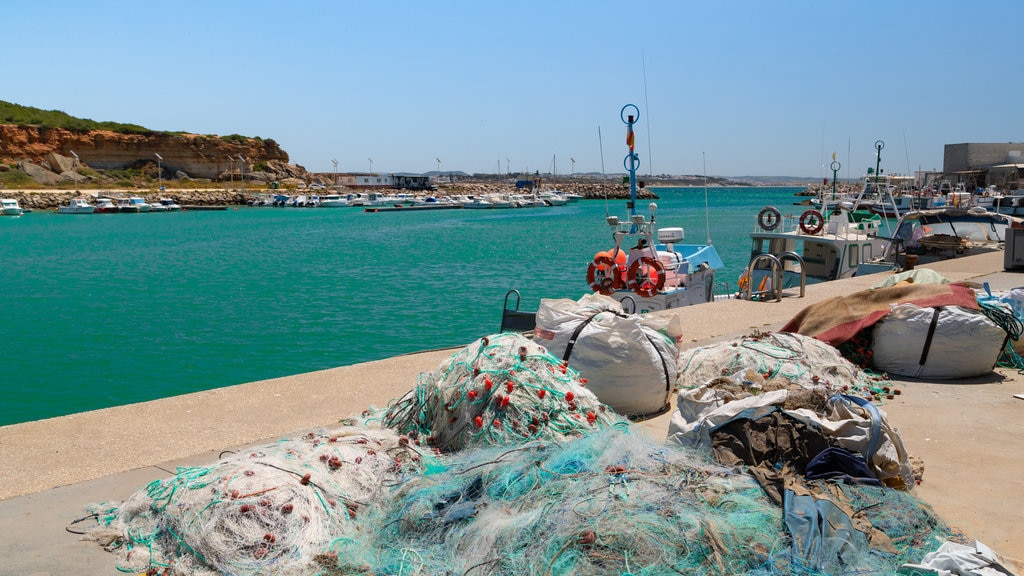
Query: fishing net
[
  {"x": 765, "y": 361},
  {"x": 279, "y": 508},
  {"x": 501, "y": 390},
  {"x": 614, "y": 502}
]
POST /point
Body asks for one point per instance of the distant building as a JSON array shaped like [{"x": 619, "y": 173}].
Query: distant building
[
  {"x": 978, "y": 165},
  {"x": 370, "y": 180}
]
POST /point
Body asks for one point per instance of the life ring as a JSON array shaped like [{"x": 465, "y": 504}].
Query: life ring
[
  {"x": 769, "y": 218},
  {"x": 646, "y": 281},
  {"x": 811, "y": 222},
  {"x": 602, "y": 275}
]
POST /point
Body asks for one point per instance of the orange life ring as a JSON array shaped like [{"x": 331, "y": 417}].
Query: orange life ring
[
  {"x": 769, "y": 218},
  {"x": 811, "y": 222},
  {"x": 603, "y": 275},
  {"x": 648, "y": 280}
]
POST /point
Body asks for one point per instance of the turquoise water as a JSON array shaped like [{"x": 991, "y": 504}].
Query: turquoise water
[{"x": 111, "y": 309}]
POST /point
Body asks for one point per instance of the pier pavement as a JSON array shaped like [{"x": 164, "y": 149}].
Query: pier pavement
[{"x": 968, "y": 432}]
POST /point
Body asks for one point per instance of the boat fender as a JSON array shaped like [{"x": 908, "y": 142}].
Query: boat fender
[
  {"x": 769, "y": 218},
  {"x": 648, "y": 281},
  {"x": 811, "y": 222},
  {"x": 602, "y": 275}
]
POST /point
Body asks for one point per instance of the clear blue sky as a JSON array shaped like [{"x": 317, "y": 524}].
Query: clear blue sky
[{"x": 752, "y": 87}]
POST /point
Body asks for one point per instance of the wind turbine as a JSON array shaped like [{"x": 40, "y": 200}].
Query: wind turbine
[
  {"x": 371, "y": 165},
  {"x": 438, "y": 165}
]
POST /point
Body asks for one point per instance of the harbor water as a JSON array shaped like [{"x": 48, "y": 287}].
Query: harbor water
[{"x": 109, "y": 309}]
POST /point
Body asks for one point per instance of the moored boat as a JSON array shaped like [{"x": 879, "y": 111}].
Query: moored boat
[
  {"x": 657, "y": 272},
  {"x": 132, "y": 204},
  {"x": 105, "y": 206},
  {"x": 10, "y": 207},
  {"x": 791, "y": 250},
  {"x": 169, "y": 204},
  {"x": 76, "y": 206}
]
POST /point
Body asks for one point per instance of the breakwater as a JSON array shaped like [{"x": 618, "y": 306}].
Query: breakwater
[{"x": 50, "y": 199}]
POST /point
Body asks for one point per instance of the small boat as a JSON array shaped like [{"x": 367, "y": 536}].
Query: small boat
[
  {"x": 552, "y": 197},
  {"x": 169, "y": 204},
  {"x": 132, "y": 204},
  {"x": 76, "y": 206},
  {"x": 651, "y": 275},
  {"x": 333, "y": 201},
  {"x": 105, "y": 206},
  {"x": 10, "y": 207},
  {"x": 477, "y": 202}
]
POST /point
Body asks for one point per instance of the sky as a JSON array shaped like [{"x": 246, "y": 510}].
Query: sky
[{"x": 724, "y": 88}]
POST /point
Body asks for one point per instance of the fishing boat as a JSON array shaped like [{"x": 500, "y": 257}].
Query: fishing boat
[
  {"x": 333, "y": 201},
  {"x": 790, "y": 250},
  {"x": 76, "y": 206},
  {"x": 926, "y": 236},
  {"x": 10, "y": 207},
  {"x": 132, "y": 204},
  {"x": 657, "y": 272},
  {"x": 169, "y": 204},
  {"x": 105, "y": 206}
]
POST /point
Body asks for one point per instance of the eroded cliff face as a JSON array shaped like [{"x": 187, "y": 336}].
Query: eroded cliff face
[{"x": 196, "y": 155}]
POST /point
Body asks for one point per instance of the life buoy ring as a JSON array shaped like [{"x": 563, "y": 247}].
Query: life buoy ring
[
  {"x": 769, "y": 218},
  {"x": 646, "y": 276},
  {"x": 811, "y": 222},
  {"x": 603, "y": 275}
]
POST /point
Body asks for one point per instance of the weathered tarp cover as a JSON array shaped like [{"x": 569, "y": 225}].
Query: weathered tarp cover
[{"x": 838, "y": 319}]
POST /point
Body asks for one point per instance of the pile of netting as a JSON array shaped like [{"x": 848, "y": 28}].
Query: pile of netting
[
  {"x": 501, "y": 390},
  {"x": 500, "y": 462},
  {"x": 772, "y": 360},
  {"x": 280, "y": 508}
]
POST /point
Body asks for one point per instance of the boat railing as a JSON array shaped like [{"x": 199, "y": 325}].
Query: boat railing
[
  {"x": 790, "y": 255},
  {"x": 775, "y": 269}
]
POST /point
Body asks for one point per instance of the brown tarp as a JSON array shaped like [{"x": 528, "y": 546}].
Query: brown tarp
[{"x": 838, "y": 319}]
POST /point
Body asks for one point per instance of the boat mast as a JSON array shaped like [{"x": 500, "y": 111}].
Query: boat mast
[{"x": 631, "y": 162}]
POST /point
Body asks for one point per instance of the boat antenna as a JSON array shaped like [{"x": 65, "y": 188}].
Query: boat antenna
[
  {"x": 604, "y": 178},
  {"x": 647, "y": 122},
  {"x": 707, "y": 208}
]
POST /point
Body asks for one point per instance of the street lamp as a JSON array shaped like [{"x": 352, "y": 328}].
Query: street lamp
[
  {"x": 438, "y": 166},
  {"x": 335, "y": 162},
  {"x": 371, "y": 165},
  {"x": 231, "y": 172},
  {"x": 159, "y": 172},
  {"x": 573, "y": 160},
  {"x": 241, "y": 166},
  {"x": 76, "y": 171}
]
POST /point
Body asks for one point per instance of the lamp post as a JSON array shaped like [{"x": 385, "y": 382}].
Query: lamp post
[
  {"x": 438, "y": 166},
  {"x": 159, "y": 172},
  {"x": 76, "y": 169},
  {"x": 241, "y": 166},
  {"x": 335, "y": 162},
  {"x": 573, "y": 173},
  {"x": 371, "y": 165},
  {"x": 231, "y": 173}
]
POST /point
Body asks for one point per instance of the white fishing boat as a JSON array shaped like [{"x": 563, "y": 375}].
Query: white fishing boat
[
  {"x": 76, "y": 206},
  {"x": 105, "y": 206},
  {"x": 926, "y": 236},
  {"x": 132, "y": 204},
  {"x": 476, "y": 202},
  {"x": 333, "y": 201},
  {"x": 10, "y": 207},
  {"x": 791, "y": 250},
  {"x": 657, "y": 272},
  {"x": 169, "y": 204},
  {"x": 552, "y": 197}
]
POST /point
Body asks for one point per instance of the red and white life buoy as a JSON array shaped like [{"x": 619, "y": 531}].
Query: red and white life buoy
[
  {"x": 603, "y": 275},
  {"x": 768, "y": 218},
  {"x": 811, "y": 222},
  {"x": 646, "y": 276}
]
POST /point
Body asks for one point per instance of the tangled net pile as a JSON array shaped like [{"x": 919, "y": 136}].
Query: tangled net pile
[
  {"x": 579, "y": 491},
  {"x": 499, "y": 391},
  {"x": 775, "y": 360},
  {"x": 278, "y": 508}
]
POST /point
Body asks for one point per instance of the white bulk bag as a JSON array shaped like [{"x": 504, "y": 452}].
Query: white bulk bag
[
  {"x": 629, "y": 360},
  {"x": 945, "y": 342}
]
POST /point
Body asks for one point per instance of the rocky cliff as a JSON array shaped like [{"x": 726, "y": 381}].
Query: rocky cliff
[{"x": 196, "y": 156}]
